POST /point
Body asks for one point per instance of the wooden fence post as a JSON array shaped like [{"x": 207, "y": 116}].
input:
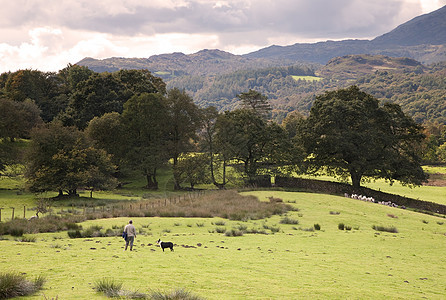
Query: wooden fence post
[
  {"x": 1, "y": 213},
  {"x": 24, "y": 211},
  {"x": 13, "y": 209}
]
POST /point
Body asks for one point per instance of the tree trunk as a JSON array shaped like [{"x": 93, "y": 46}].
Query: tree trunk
[{"x": 356, "y": 179}]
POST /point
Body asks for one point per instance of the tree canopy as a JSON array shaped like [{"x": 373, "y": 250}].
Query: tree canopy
[{"x": 349, "y": 134}]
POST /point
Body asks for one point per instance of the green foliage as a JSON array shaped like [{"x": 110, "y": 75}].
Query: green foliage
[
  {"x": 348, "y": 133},
  {"x": 255, "y": 101},
  {"x": 145, "y": 121},
  {"x": 16, "y": 285},
  {"x": 62, "y": 159},
  {"x": 244, "y": 136},
  {"x": 193, "y": 169}
]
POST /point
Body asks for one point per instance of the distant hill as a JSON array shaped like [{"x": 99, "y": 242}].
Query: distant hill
[
  {"x": 428, "y": 29},
  {"x": 356, "y": 66},
  {"x": 167, "y": 66}
]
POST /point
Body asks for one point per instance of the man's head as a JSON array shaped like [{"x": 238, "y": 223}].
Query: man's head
[{"x": 130, "y": 222}]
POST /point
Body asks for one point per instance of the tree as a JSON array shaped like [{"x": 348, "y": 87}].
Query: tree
[
  {"x": 140, "y": 81},
  {"x": 107, "y": 132},
  {"x": 246, "y": 137},
  {"x": 192, "y": 168},
  {"x": 255, "y": 101},
  {"x": 184, "y": 120},
  {"x": 349, "y": 134},
  {"x": 145, "y": 122},
  {"x": 99, "y": 94},
  {"x": 62, "y": 159},
  {"x": 17, "y": 118},
  {"x": 209, "y": 145}
]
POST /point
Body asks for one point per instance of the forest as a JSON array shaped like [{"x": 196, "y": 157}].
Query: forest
[{"x": 81, "y": 129}]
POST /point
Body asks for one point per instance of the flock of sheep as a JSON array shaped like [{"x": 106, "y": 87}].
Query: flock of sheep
[{"x": 371, "y": 199}]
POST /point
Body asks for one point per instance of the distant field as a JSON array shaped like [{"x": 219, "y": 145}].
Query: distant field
[
  {"x": 294, "y": 263},
  {"x": 307, "y": 78}
]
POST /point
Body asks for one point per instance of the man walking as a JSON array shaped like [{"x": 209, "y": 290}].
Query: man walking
[{"x": 131, "y": 234}]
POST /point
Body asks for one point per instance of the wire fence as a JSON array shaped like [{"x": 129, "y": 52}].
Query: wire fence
[{"x": 10, "y": 213}]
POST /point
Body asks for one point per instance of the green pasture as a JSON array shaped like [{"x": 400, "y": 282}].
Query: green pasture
[
  {"x": 307, "y": 78},
  {"x": 293, "y": 263}
]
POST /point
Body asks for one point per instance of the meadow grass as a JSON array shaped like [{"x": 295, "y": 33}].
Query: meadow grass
[
  {"x": 307, "y": 78},
  {"x": 288, "y": 263}
]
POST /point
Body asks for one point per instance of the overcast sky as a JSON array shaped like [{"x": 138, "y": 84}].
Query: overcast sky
[{"x": 48, "y": 34}]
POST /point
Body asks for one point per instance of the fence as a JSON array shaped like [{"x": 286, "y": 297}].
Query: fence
[{"x": 86, "y": 209}]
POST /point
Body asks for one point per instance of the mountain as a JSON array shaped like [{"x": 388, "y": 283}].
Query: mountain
[
  {"x": 429, "y": 29},
  {"x": 422, "y": 38}
]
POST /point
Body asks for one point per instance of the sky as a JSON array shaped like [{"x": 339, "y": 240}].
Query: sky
[{"x": 48, "y": 35}]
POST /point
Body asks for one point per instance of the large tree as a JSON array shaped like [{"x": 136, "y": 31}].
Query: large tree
[
  {"x": 62, "y": 159},
  {"x": 108, "y": 133},
  {"x": 183, "y": 124},
  {"x": 349, "y": 134},
  {"x": 145, "y": 121},
  {"x": 217, "y": 159},
  {"x": 246, "y": 137}
]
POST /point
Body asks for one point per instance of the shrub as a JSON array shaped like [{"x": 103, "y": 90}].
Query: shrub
[
  {"x": 27, "y": 239},
  {"x": 311, "y": 229},
  {"x": 220, "y": 223},
  {"x": 317, "y": 226},
  {"x": 200, "y": 224},
  {"x": 74, "y": 234},
  {"x": 386, "y": 229},
  {"x": 72, "y": 226},
  {"x": 287, "y": 220},
  {"x": 341, "y": 226},
  {"x": 242, "y": 227},
  {"x": 234, "y": 232},
  {"x": 15, "y": 285},
  {"x": 177, "y": 294},
  {"x": 15, "y": 231},
  {"x": 348, "y": 228},
  {"x": 220, "y": 229},
  {"x": 335, "y": 213},
  {"x": 109, "y": 287}
]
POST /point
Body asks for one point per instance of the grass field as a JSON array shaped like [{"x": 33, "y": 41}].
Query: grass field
[
  {"x": 307, "y": 78},
  {"x": 286, "y": 261},
  {"x": 292, "y": 263}
]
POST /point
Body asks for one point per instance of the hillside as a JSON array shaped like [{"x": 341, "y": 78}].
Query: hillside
[
  {"x": 167, "y": 66},
  {"x": 427, "y": 29}
]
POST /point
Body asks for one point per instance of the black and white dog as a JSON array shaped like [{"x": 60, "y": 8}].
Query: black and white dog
[{"x": 165, "y": 245}]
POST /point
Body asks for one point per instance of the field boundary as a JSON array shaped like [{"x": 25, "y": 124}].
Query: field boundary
[{"x": 337, "y": 188}]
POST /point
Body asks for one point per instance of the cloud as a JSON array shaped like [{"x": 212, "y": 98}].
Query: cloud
[{"x": 48, "y": 34}]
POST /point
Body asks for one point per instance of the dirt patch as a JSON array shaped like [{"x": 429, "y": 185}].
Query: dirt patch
[{"x": 437, "y": 179}]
